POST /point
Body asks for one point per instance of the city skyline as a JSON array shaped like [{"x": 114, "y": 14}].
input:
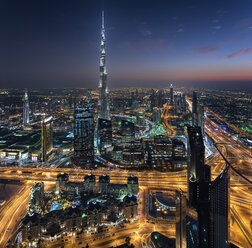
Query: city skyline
[
  {"x": 57, "y": 44},
  {"x": 157, "y": 154}
]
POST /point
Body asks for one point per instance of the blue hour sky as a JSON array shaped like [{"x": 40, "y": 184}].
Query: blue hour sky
[{"x": 56, "y": 43}]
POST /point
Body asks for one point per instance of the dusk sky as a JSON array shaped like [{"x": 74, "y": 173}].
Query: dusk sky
[{"x": 56, "y": 43}]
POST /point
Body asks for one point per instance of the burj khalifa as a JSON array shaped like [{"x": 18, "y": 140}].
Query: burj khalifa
[{"x": 103, "y": 104}]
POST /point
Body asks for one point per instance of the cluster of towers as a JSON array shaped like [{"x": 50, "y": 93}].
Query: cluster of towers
[
  {"x": 178, "y": 101},
  {"x": 84, "y": 131}
]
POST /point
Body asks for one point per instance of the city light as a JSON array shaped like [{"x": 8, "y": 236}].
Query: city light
[{"x": 167, "y": 164}]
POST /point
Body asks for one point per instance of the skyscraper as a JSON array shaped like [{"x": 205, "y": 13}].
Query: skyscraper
[
  {"x": 83, "y": 136},
  {"x": 199, "y": 184},
  {"x": 209, "y": 199},
  {"x": 37, "y": 194},
  {"x": 46, "y": 137},
  {"x": 127, "y": 131},
  {"x": 220, "y": 210},
  {"x": 171, "y": 94},
  {"x": 26, "y": 118},
  {"x": 156, "y": 116},
  {"x": 198, "y": 113},
  {"x": 196, "y": 162},
  {"x": 104, "y": 135},
  {"x": 195, "y": 103},
  {"x": 181, "y": 211},
  {"x": 103, "y": 103}
]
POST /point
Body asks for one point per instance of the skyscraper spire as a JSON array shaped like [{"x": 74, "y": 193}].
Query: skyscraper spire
[
  {"x": 103, "y": 104},
  {"x": 103, "y": 19},
  {"x": 26, "y": 118}
]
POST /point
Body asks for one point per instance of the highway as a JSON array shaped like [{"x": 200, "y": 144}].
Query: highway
[
  {"x": 240, "y": 157},
  {"x": 11, "y": 214},
  {"x": 166, "y": 116},
  {"x": 240, "y": 198},
  {"x": 14, "y": 210}
]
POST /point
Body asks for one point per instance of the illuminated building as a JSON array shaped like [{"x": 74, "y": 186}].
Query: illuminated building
[
  {"x": 158, "y": 148},
  {"x": 133, "y": 153},
  {"x": 104, "y": 182},
  {"x": 129, "y": 153},
  {"x": 62, "y": 180},
  {"x": 46, "y": 137},
  {"x": 171, "y": 94},
  {"x": 26, "y": 118},
  {"x": 83, "y": 136},
  {"x": 20, "y": 145},
  {"x": 130, "y": 207},
  {"x": 140, "y": 117},
  {"x": 89, "y": 183},
  {"x": 30, "y": 231},
  {"x": 132, "y": 184},
  {"x": 103, "y": 103},
  {"x": 114, "y": 204},
  {"x": 156, "y": 115},
  {"x": 37, "y": 195},
  {"x": 178, "y": 149},
  {"x": 198, "y": 114},
  {"x": 134, "y": 104},
  {"x": 104, "y": 135},
  {"x": 127, "y": 131}
]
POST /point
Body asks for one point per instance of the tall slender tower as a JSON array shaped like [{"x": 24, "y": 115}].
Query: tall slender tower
[
  {"x": 103, "y": 104},
  {"x": 26, "y": 118},
  {"x": 171, "y": 94},
  {"x": 195, "y": 109}
]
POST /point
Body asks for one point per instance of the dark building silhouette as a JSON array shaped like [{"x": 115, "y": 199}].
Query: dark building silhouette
[
  {"x": 220, "y": 210},
  {"x": 195, "y": 103},
  {"x": 195, "y": 169},
  {"x": 209, "y": 199},
  {"x": 192, "y": 232},
  {"x": 181, "y": 212}
]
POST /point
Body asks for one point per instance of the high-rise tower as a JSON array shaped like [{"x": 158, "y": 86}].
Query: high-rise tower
[
  {"x": 171, "y": 94},
  {"x": 220, "y": 210},
  {"x": 26, "y": 118},
  {"x": 46, "y": 137},
  {"x": 83, "y": 135},
  {"x": 103, "y": 104}
]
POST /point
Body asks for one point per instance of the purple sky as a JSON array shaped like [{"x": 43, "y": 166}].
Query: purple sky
[{"x": 149, "y": 43}]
